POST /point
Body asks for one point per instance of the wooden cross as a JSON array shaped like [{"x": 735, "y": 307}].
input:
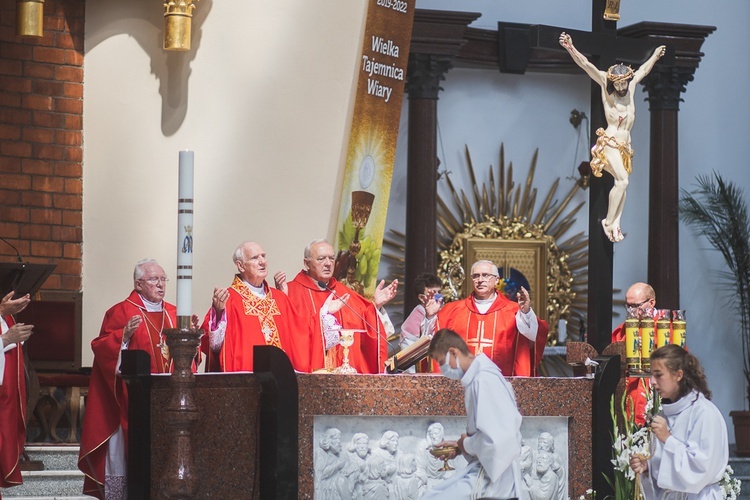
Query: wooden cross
[{"x": 603, "y": 48}]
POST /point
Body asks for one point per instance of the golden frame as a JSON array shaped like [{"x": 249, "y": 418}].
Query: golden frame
[{"x": 527, "y": 256}]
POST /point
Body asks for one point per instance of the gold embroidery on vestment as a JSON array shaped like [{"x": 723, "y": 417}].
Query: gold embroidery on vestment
[{"x": 264, "y": 308}]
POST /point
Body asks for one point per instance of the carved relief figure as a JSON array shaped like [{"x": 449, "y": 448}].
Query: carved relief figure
[
  {"x": 359, "y": 454},
  {"x": 332, "y": 485},
  {"x": 406, "y": 484},
  {"x": 546, "y": 443},
  {"x": 428, "y": 465},
  {"x": 375, "y": 486},
  {"x": 542, "y": 485},
  {"x": 389, "y": 451}
]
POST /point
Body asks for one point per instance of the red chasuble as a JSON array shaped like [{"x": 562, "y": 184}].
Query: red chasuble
[
  {"x": 495, "y": 334},
  {"x": 107, "y": 403},
  {"x": 370, "y": 349},
  {"x": 634, "y": 386},
  {"x": 252, "y": 321},
  {"x": 12, "y": 416}
]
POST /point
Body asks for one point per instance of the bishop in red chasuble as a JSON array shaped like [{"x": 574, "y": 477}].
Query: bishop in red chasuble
[
  {"x": 137, "y": 322},
  {"x": 326, "y": 305},
  {"x": 509, "y": 333},
  {"x": 250, "y": 313}
]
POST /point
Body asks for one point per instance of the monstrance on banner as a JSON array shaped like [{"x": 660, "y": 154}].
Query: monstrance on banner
[{"x": 372, "y": 143}]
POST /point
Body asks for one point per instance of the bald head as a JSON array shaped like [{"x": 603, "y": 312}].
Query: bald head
[{"x": 640, "y": 296}]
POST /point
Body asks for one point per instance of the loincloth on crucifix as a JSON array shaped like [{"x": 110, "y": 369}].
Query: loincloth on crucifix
[
  {"x": 264, "y": 308},
  {"x": 599, "y": 159}
]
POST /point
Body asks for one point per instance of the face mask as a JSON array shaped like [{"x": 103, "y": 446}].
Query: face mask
[{"x": 448, "y": 371}]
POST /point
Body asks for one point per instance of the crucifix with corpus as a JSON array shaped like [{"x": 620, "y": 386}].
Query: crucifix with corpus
[
  {"x": 602, "y": 48},
  {"x": 612, "y": 151}
]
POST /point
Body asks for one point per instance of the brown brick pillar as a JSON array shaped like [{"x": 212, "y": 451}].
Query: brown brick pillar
[{"x": 41, "y": 141}]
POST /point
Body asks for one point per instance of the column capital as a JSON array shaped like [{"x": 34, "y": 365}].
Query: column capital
[
  {"x": 665, "y": 87},
  {"x": 424, "y": 74}
]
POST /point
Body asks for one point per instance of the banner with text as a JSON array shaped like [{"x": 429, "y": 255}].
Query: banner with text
[{"x": 372, "y": 143}]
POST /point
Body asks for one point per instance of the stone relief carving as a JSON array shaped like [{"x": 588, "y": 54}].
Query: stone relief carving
[{"x": 399, "y": 466}]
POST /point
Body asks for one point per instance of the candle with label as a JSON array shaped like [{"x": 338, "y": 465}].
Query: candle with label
[{"x": 185, "y": 239}]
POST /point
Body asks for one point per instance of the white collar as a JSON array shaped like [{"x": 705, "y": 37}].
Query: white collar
[{"x": 151, "y": 306}]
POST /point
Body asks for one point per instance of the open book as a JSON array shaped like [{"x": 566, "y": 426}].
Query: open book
[{"x": 406, "y": 358}]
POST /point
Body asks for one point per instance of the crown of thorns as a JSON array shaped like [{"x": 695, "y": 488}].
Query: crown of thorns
[{"x": 618, "y": 77}]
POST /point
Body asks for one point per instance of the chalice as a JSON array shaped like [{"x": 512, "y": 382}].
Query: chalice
[
  {"x": 346, "y": 341},
  {"x": 445, "y": 453},
  {"x": 361, "y": 208}
]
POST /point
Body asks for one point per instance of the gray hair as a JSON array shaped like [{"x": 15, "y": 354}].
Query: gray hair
[
  {"x": 497, "y": 273},
  {"x": 138, "y": 270},
  {"x": 239, "y": 252},
  {"x": 308, "y": 248}
]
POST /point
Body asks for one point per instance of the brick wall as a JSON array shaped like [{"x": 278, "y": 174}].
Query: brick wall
[{"x": 41, "y": 141}]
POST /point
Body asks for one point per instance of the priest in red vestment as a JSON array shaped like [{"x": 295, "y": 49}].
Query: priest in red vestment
[
  {"x": 327, "y": 306},
  {"x": 509, "y": 333},
  {"x": 640, "y": 300},
  {"x": 250, "y": 313},
  {"x": 135, "y": 323},
  {"x": 12, "y": 390}
]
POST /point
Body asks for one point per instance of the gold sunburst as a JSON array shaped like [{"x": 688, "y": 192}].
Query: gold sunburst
[{"x": 501, "y": 209}]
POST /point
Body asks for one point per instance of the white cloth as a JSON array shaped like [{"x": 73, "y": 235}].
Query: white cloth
[
  {"x": 494, "y": 438},
  {"x": 218, "y": 325},
  {"x": 526, "y": 323},
  {"x": 4, "y": 328},
  {"x": 116, "y": 467},
  {"x": 690, "y": 463}
]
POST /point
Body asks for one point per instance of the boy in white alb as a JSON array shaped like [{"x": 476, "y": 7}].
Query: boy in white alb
[{"x": 492, "y": 443}]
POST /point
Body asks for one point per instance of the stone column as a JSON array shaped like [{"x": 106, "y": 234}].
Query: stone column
[
  {"x": 179, "y": 479},
  {"x": 424, "y": 75},
  {"x": 665, "y": 87}
]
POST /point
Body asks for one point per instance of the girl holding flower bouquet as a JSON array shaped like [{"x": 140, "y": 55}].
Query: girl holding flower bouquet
[{"x": 690, "y": 450}]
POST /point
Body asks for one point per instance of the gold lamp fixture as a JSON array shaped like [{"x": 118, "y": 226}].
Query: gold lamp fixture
[
  {"x": 178, "y": 15},
  {"x": 30, "y": 18}
]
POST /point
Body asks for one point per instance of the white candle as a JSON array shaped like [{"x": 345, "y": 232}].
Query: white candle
[
  {"x": 562, "y": 331},
  {"x": 185, "y": 239}
]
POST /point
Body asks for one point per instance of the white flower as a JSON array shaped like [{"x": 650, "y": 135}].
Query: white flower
[{"x": 730, "y": 487}]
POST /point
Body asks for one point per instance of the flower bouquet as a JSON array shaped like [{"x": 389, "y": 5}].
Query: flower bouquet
[{"x": 633, "y": 439}]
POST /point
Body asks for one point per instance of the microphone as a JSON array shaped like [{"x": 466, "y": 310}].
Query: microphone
[
  {"x": 18, "y": 254},
  {"x": 324, "y": 286}
]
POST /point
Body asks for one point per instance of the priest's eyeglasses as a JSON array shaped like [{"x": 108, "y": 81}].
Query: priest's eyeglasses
[
  {"x": 482, "y": 276},
  {"x": 153, "y": 281},
  {"x": 635, "y": 306}
]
